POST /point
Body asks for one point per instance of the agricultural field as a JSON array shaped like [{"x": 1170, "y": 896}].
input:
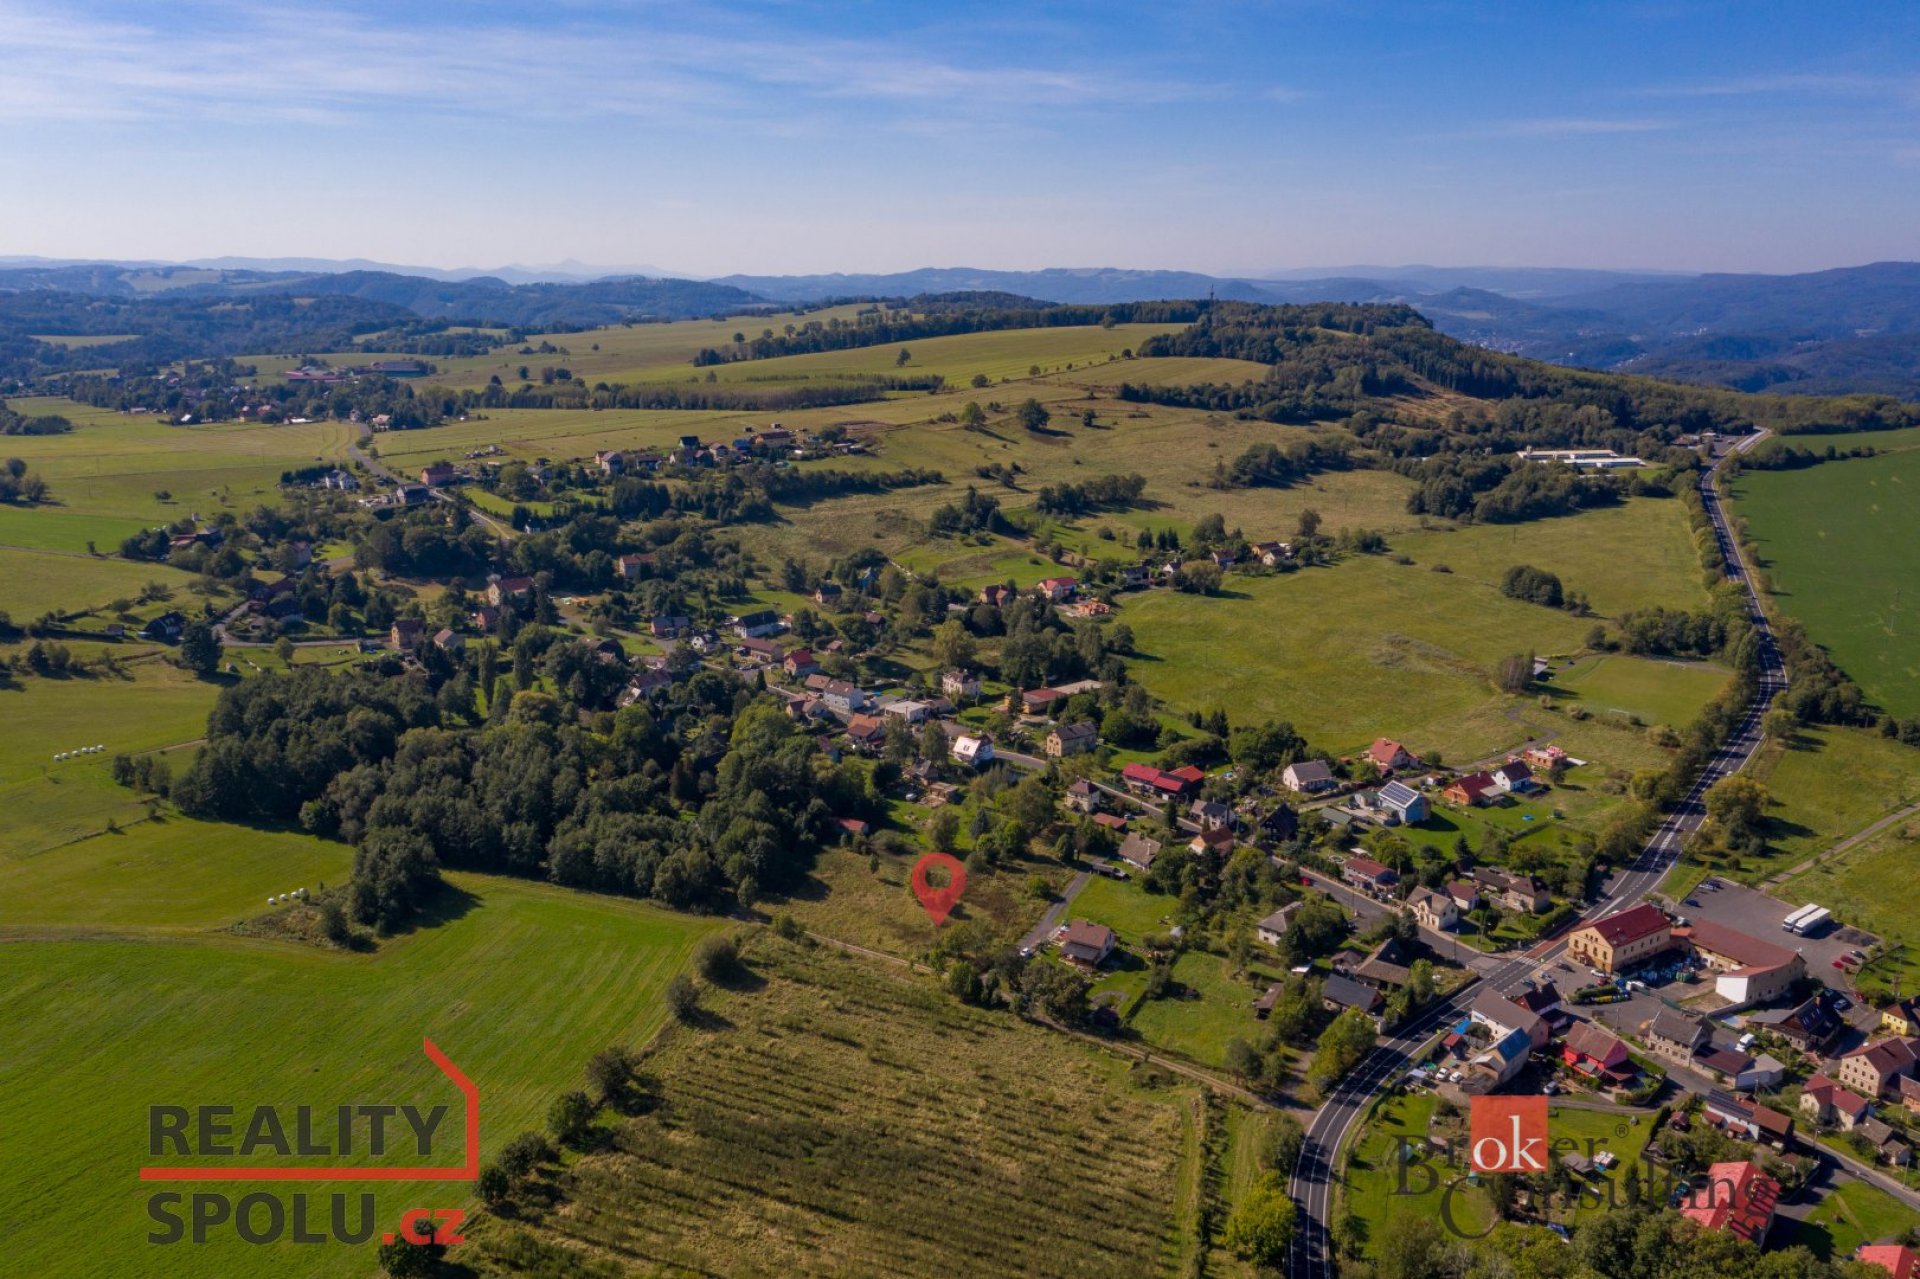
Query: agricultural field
[
  {"x": 827, "y": 1101},
  {"x": 1637, "y": 555},
  {"x": 1862, "y": 514},
  {"x": 109, "y": 471},
  {"x": 220, "y": 1019}
]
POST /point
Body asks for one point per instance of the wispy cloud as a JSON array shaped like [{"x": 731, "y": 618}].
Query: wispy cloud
[
  {"x": 336, "y": 66},
  {"x": 1783, "y": 84},
  {"x": 1571, "y": 127}
]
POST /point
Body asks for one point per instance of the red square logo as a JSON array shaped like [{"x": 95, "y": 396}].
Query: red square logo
[{"x": 1507, "y": 1134}]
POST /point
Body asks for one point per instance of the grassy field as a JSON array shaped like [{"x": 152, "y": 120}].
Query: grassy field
[
  {"x": 519, "y": 986},
  {"x": 1206, "y": 1008},
  {"x": 1373, "y": 1172},
  {"x": 44, "y": 804},
  {"x": 1636, "y": 555},
  {"x": 835, "y": 1117},
  {"x": 36, "y": 582},
  {"x": 1654, "y": 692},
  {"x": 108, "y": 471},
  {"x": 1850, "y": 1215},
  {"x": 1372, "y": 646},
  {"x": 1863, "y": 515},
  {"x": 1828, "y": 784}
]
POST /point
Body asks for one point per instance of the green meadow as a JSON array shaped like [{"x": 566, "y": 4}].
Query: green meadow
[{"x": 1836, "y": 543}]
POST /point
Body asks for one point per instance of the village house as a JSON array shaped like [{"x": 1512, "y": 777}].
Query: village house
[
  {"x": 995, "y": 595},
  {"x": 1082, "y": 797},
  {"x": 868, "y": 733},
  {"x": 1210, "y": 814},
  {"x": 405, "y": 633},
  {"x": 1542, "y": 1001},
  {"x": 1138, "y": 851},
  {"x": 1369, "y": 876},
  {"x": 974, "y": 752},
  {"x": 1388, "y": 755},
  {"x": 1827, "y": 1102},
  {"x": 1408, "y": 806},
  {"x": 1499, "y": 1064},
  {"x": 1273, "y": 929},
  {"x": 1086, "y": 944},
  {"x": 1433, "y": 910},
  {"x": 1901, "y": 1017},
  {"x": 1056, "y": 589},
  {"x": 1472, "y": 791},
  {"x": 1594, "y": 1052},
  {"x": 1040, "y": 701},
  {"x": 1146, "y": 780},
  {"x": 448, "y": 640},
  {"x": 764, "y": 649},
  {"x": 668, "y": 626},
  {"x": 1738, "y": 1199},
  {"x": 799, "y": 663},
  {"x": 1071, "y": 739},
  {"x": 1271, "y": 554},
  {"x": 1501, "y": 1015},
  {"x": 1897, "y": 1260},
  {"x": 1811, "y": 1026},
  {"x": 1677, "y": 1036},
  {"x": 827, "y": 593},
  {"x": 634, "y": 567},
  {"x": 437, "y": 474},
  {"x": 1513, "y": 777},
  {"x": 1464, "y": 894},
  {"x": 341, "y": 480},
  {"x": 1874, "y": 1069},
  {"x": 758, "y": 624},
  {"x": 1341, "y": 993},
  {"x": 1513, "y": 892},
  {"x": 502, "y": 591},
  {"x": 961, "y": 686},
  {"x": 1308, "y": 776},
  {"x": 843, "y": 698},
  {"x": 1888, "y": 1146},
  {"x": 1623, "y": 938},
  {"x": 1387, "y": 966},
  {"x": 1214, "y": 839}
]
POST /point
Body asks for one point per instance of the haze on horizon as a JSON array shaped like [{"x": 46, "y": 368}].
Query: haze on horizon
[{"x": 771, "y": 137}]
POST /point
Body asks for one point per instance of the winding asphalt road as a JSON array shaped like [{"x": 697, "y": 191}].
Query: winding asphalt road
[{"x": 1312, "y": 1183}]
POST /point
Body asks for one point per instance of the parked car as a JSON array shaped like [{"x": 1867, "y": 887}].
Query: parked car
[{"x": 1691, "y": 901}]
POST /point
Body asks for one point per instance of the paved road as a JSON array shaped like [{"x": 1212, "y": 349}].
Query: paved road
[{"x": 1312, "y": 1183}]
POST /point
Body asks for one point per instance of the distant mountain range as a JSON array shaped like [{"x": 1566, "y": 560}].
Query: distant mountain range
[{"x": 1824, "y": 332}]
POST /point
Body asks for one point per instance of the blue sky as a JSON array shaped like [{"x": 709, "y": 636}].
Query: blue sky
[{"x": 795, "y": 136}]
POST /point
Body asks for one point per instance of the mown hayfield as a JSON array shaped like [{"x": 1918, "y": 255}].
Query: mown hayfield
[
  {"x": 1349, "y": 653},
  {"x": 1633, "y": 556},
  {"x": 1654, "y": 692},
  {"x": 36, "y": 582},
  {"x": 519, "y": 986},
  {"x": 1836, "y": 542},
  {"x": 170, "y": 874},
  {"x": 1004, "y": 356},
  {"x": 112, "y": 465},
  {"x": 836, "y": 1117},
  {"x": 1171, "y": 370},
  {"x": 44, "y": 803}
]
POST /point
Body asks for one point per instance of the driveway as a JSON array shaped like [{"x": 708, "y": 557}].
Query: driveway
[{"x": 1037, "y": 935}]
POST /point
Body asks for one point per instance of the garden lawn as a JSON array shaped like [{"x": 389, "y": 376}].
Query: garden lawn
[
  {"x": 1205, "y": 1007},
  {"x": 1849, "y": 1215}
]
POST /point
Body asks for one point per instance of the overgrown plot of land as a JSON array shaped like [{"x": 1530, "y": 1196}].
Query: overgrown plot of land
[{"x": 836, "y": 1118}]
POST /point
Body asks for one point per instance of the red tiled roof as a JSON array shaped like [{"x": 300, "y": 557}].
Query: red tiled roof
[
  {"x": 1898, "y": 1261},
  {"x": 1746, "y": 951},
  {"x": 1738, "y": 1197},
  {"x": 1630, "y": 925}
]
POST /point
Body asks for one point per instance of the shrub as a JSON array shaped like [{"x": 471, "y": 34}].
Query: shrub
[
  {"x": 570, "y": 1116},
  {"x": 683, "y": 998},
  {"x": 717, "y": 956}
]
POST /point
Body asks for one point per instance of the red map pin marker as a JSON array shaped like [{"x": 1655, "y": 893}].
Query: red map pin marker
[{"x": 939, "y": 902}]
